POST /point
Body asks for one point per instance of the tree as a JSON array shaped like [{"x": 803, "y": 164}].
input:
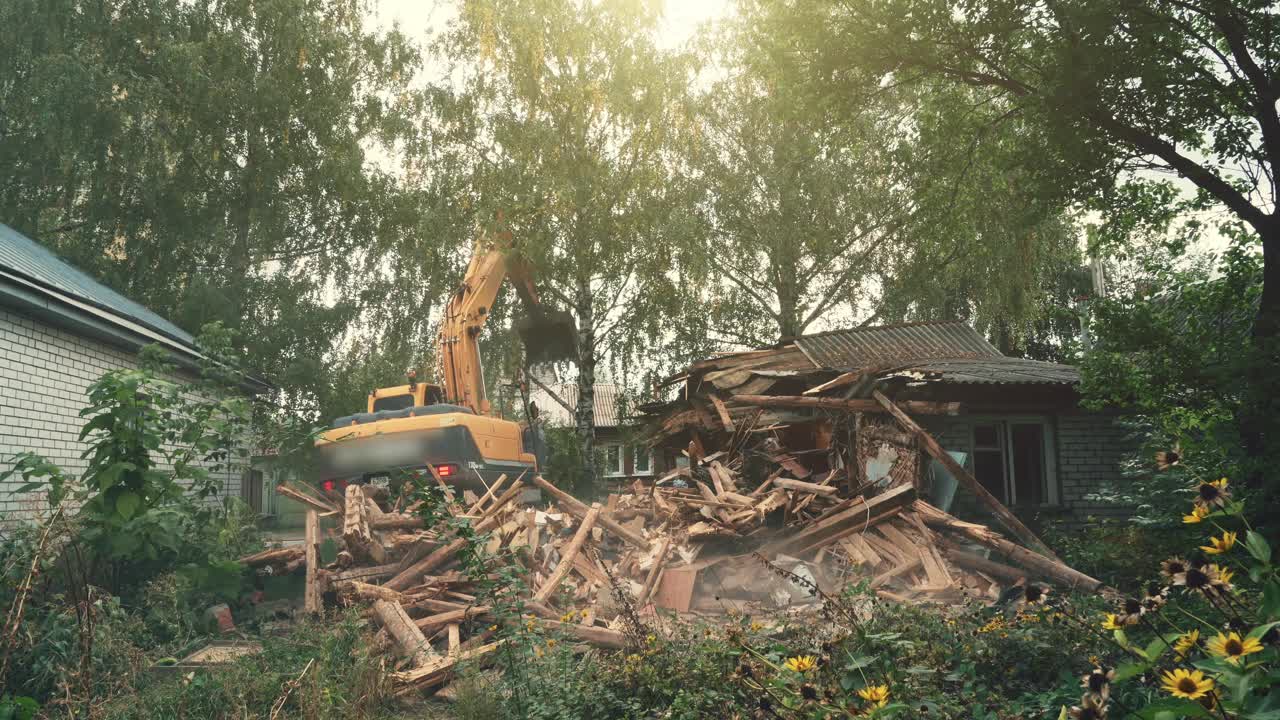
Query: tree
[
  {"x": 216, "y": 161},
  {"x": 821, "y": 213},
  {"x": 1185, "y": 87},
  {"x": 559, "y": 110}
]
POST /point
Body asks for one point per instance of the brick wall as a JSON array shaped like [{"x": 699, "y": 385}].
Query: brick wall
[
  {"x": 1090, "y": 449},
  {"x": 45, "y": 373},
  {"x": 1088, "y": 452}
]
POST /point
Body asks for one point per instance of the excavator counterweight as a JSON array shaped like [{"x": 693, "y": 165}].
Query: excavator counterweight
[{"x": 448, "y": 430}]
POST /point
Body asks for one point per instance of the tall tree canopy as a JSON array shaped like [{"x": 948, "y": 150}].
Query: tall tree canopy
[
  {"x": 821, "y": 213},
  {"x": 1186, "y": 87},
  {"x": 559, "y": 111},
  {"x": 215, "y": 160}
]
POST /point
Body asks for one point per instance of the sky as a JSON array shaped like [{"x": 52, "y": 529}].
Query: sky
[{"x": 418, "y": 18}]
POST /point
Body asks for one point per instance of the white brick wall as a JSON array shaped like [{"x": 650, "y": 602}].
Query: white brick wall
[{"x": 45, "y": 374}]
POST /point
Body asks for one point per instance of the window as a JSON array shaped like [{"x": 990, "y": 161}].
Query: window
[
  {"x": 643, "y": 464},
  {"x": 1013, "y": 460},
  {"x": 612, "y": 460}
]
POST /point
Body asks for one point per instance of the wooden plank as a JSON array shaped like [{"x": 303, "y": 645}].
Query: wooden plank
[
  {"x": 655, "y": 572},
  {"x": 566, "y": 559},
  {"x": 455, "y": 638},
  {"x": 855, "y": 528},
  {"x": 355, "y": 529},
  {"x": 723, "y": 412},
  {"x": 311, "y": 547},
  {"x": 919, "y": 407},
  {"x": 839, "y": 381},
  {"x": 576, "y": 507},
  {"x": 969, "y": 481},
  {"x": 307, "y": 499},
  {"x": 489, "y": 494},
  {"x": 898, "y": 571},
  {"x": 858, "y": 516},
  {"x": 806, "y": 487},
  {"x": 440, "y": 556},
  {"x": 437, "y": 671},
  {"x": 675, "y": 588}
]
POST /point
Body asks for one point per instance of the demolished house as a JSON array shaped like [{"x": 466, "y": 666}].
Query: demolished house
[
  {"x": 1015, "y": 424},
  {"x": 798, "y": 481}
]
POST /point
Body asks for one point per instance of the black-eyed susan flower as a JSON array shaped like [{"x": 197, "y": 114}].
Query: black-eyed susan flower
[
  {"x": 1170, "y": 457},
  {"x": 1034, "y": 594},
  {"x": 1194, "y": 578},
  {"x": 1198, "y": 513},
  {"x": 801, "y": 663},
  {"x": 1189, "y": 684},
  {"x": 1217, "y": 546},
  {"x": 1111, "y": 622},
  {"x": 1098, "y": 682},
  {"x": 877, "y": 695},
  {"x": 1173, "y": 567},
  {"x": 1131, "y": 611},
  {"x": 1219, "y": 577},
  {"x": 1185, "y": 643},
  {"x": 1213, "y": 494},
  {"x": 1232, "y": 647},
  {"x": 1090, "y": 708},
  {"x": 1155, "y": 597}
]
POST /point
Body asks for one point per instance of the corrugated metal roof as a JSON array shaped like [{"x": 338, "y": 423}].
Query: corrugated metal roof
[
  {"x": 994, "y": 371},
  {"x": 861, "y": 348},
  {"x": 24, "y": 256},
  {"x": 605, "y": 401}
]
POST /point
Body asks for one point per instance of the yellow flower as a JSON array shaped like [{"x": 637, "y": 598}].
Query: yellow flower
[
  {"x": 567, "y": 617},
  {"x": 1232, "y": 648},
  {"x": 756, "y": 627},
  {"x": 1212, "y": 494},
  {"x": 1198, "y": 513},
  {"x": 1217, "y": 546},
  {"x": 877, "y": 695},
  {"x": 1111, "y": 623},
  {"x": 493, "y": 628},
  {"x": 551, "y": 642},
  {"x": 1189, "y": 684},
  {"x": 801, "y": 663},
  {"x": 1185, "y": 644}
]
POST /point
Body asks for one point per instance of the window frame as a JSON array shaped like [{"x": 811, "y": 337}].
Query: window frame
[
  {"x": 638, "y": 451},
  {"x": 612, "y": 470},
  {"x": 1051, "y": 490}
]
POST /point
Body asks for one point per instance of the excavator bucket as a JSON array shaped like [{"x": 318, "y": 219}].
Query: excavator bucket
[{"x": 548, "y": 335}]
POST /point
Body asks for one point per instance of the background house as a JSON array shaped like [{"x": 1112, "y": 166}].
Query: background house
[
  {"x": 1017, "y": 424},
  {"x": 60, "y": 330},
  {"x": 624, "y": 456}
]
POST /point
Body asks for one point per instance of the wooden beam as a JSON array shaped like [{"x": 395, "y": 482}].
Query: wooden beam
[
  {"x": 931, "y": 446},
  {"x": 579, "y": 509},
  {"x": 859, "y": 516},
  {"x": 723, "y": 412},
  {"x": 655, "y": 572},
  {"x": 1035, "y": 563},
  {"x": 409, "y": 639},
  {"x": 919, "y": 407},
  {"x": 566, "y": 560},
  {"x": 311, "y": 547}
]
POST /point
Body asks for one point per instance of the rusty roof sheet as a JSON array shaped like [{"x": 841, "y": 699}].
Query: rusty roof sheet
[
  {"x": 993, "y": 371},
  {"x": 862, "y": 348}
]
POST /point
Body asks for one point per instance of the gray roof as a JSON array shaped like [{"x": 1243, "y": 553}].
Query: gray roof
[
  {"x": 862, "y": 348},
  {"x": 23, "y": 256},
  {"x": 996, "y": 371}
]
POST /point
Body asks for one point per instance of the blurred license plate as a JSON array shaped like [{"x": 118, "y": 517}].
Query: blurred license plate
[{"x": 380, "y": 480}]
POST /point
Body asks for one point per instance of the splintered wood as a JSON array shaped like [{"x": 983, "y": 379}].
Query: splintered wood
[{"x": 762, "y": 516}]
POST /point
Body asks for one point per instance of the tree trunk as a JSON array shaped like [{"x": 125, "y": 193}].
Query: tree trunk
[
  {"x": 585, "y": 414},
  {"x": 1260, "y": 421}
]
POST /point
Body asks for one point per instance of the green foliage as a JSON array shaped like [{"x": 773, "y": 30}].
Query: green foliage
[
  {"x": 1172, "y": 351},
  {"x": 223, "y": 162},
  {"x": 342, "y": 679}
]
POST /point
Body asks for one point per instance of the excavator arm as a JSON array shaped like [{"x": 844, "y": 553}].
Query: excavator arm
[{"x": 461, "y": 372}]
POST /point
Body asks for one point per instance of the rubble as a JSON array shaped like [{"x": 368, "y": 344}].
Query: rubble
[{"x": 786, "y": 493}]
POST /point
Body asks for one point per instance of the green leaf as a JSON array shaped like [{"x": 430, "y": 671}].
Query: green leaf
[
  {"x": 127, "y": 504},
  {"x": 1129, "y": 670},
  {"x": 1258, "y": 547}
]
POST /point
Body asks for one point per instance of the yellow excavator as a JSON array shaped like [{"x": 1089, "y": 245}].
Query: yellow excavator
[{"x": 450, "y": 427}]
